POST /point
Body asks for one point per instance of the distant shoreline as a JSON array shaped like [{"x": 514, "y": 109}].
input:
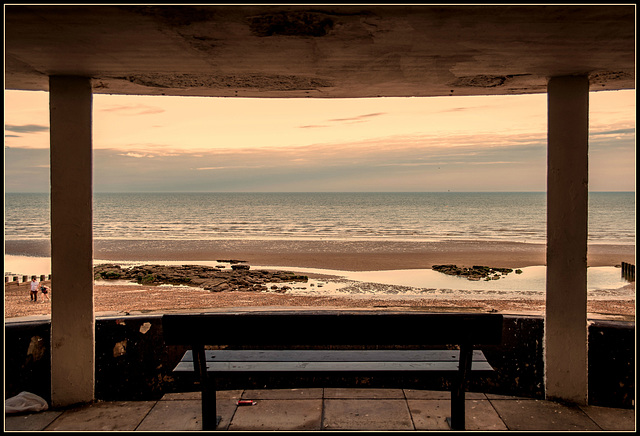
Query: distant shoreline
[
  {"x": 309, "y": 192},
  {"x": 351, "y": 255}
]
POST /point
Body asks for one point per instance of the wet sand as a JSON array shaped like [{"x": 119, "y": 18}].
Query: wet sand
[
  {"x": 340, "y": 255},
  {"x": 138, "y": 299}
]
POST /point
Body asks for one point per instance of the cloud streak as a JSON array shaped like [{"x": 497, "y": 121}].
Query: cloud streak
[
  {"x": 26, "y": 128},
  {"x": 137, "y": 109},
  {"x": 347, "y": 120},
  {"x": 358, "y": 118},
  {"x": 400, "y": 150},
  {"x": 629, "y": 131},
  {"x": 399, "y": 162}
]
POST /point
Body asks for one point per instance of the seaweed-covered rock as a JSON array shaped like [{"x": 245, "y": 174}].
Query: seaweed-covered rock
[
  {"x": 475, "y": 273},
  {"x": 239, "y": 278}
]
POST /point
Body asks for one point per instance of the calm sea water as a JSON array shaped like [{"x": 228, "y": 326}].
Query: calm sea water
[{"x": 519, "y": 217}]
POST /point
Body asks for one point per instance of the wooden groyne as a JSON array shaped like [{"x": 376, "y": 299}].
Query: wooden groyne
[
  {"x": 628, "y": 271},
  {"x": 16, "y": 278}
]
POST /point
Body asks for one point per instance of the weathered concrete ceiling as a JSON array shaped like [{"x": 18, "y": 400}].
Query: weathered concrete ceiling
[{"x": 319, "y": 51}]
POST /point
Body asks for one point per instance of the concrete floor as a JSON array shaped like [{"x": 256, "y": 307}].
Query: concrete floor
[{"x": 328, "y": 409}]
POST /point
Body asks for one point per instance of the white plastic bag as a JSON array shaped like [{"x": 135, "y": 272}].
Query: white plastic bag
[{"x": 25, "y": 402}]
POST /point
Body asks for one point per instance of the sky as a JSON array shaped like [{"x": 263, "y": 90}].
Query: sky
[{"x": 437, "y": 144}]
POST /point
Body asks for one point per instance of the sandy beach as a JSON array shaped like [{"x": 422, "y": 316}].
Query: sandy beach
[
  {"x": 138, "y": 299},
  {"x": 340, "y": 255},
  {"x": 346, "y": 256}
]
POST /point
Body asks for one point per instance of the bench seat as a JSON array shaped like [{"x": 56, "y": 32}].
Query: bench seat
[
  {"x": 332, "y": 360},
  {"x": 336, "y": 343}
]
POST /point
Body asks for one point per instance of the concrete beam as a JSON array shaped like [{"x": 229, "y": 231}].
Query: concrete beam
[
  {"x": 72, "y": 316},
  {"x": 320, "y": 51},
  {"x": 565, "y": 347}
]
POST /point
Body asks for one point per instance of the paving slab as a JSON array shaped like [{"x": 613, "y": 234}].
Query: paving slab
[
  {"x": 107, "y": 416},
  {"x": 30, "y": 421},
  {"x": 171, "y": 396},
  {"x": 174, "y": 396},
  {"x": 234, "y": 394},
  {"x": 481, "y": 416},
  {"x": 418, "y": 394},
  {"x": 226, "y": 409},
  {"x": 174, "y": 415},
  {"x": 610, "y": 419},
  {"x": 430, "y": 414},
  {"x": 538, "y": 415},
  {"x": 191, "y": 419},
  {"x": 505, "y": 397},
  {"x": 282, "y": 415},
  {"x": 364, "y": 393},
  {"x": 282, "y": 394},
  {"x": 301, "y": 409},
  {"x": 366, "y": 414}
]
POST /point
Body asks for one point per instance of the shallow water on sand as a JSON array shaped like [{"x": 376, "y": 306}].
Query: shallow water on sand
[{"x": 530, "y": 283}]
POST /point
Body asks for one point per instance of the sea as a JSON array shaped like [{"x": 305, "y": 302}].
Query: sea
[
  {"x": 460, "y": 216},
  {"x": 409, "y": 216}
]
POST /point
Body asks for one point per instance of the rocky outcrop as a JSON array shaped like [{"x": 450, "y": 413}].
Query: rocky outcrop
[
  {"x": 215, "y": 279},
  {"x": 474, "y": 273}
]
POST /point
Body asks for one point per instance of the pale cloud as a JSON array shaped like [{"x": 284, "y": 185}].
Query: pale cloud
[{"x": 136, "y": 155}]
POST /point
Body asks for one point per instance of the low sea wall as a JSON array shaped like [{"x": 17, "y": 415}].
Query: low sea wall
[{"x": 133, "y": 363}]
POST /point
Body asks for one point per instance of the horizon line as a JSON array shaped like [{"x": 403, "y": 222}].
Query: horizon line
[{"x": 318, "y": 192}]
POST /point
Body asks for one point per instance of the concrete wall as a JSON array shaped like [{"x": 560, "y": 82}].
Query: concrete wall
[
  {"x": 612, "y": 365},
  {"x": 27, "y": 358},
  {"x": 132, "y": 362}
]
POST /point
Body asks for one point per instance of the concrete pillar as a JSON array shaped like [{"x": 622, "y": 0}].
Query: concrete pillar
[
  {"x": 565, "y": 347},
  {"x": 72, "y": 317}
]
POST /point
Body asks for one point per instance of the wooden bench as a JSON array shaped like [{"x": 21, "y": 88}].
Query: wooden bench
[{"x": 274, "y": 334}]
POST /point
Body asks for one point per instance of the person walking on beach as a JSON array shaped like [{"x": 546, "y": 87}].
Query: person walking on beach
[
  {"x": 45, "y": 292},
  {"x": 34, "y": 289}
]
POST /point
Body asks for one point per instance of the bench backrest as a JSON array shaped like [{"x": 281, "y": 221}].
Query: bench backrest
[{"x": 324, "y": 328}]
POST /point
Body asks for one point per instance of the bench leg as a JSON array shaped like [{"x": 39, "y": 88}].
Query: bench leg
[
  {"x": 210, "y": 419},
  {"x": 457, "y": 420}
]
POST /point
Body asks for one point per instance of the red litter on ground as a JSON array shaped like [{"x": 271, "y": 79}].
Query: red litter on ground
[{"x": 247, "y": 403}]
